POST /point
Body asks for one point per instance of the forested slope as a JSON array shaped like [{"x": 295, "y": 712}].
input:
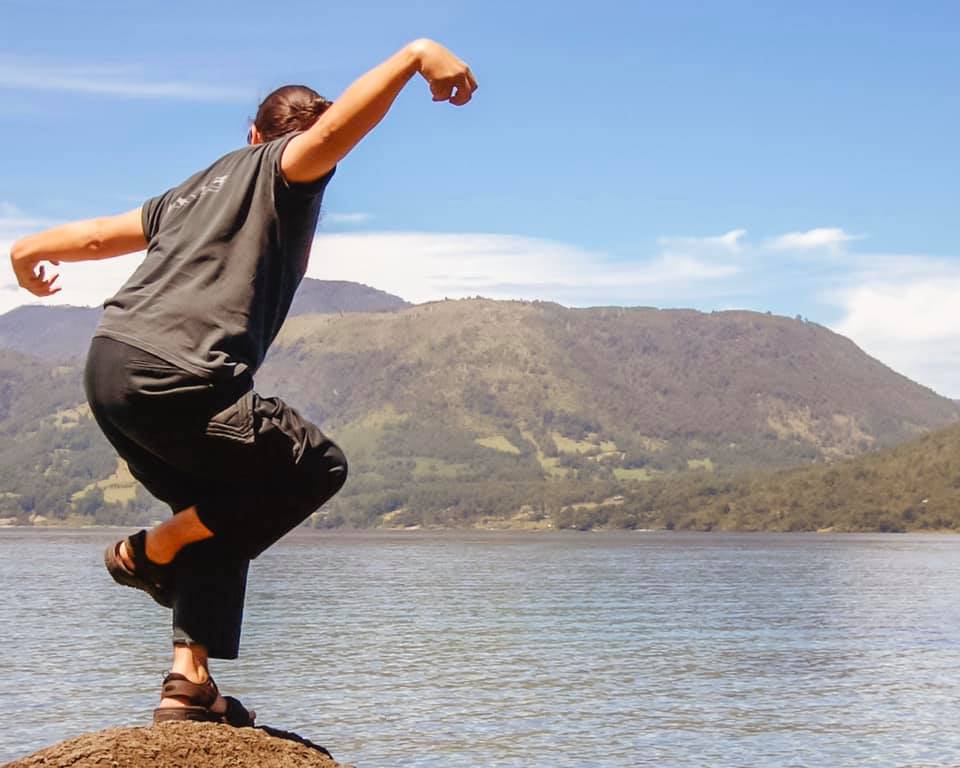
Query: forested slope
[{"x": 460, "y": 412}]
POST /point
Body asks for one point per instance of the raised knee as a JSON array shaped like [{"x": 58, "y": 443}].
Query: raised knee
[
  {"x": 338, "y": 469},
  {"x": 325, "y": 476}
]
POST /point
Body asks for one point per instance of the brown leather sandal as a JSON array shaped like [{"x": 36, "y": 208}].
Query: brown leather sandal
[
  {"x": 199, "y": 698},
  {"x": 155, "y": 579}
]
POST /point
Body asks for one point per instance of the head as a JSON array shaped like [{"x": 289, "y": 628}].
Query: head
[{"x": 287, "y": 109}]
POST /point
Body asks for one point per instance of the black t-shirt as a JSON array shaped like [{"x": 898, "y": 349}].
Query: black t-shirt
[{"x": 226, "y": 252}]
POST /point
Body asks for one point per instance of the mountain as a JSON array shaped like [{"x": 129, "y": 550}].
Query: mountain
[
  {"x": 60, "y": 332},
  {"x": 336, "y": 296},
  {"x": 50, "y": 448},
  {"x": 50, "y": 332},
  {"x": 641, "y": 375},
  {"x": 913, "y": 487},
  {"x": 459, "y": 411},
  {"x": 462, "y": 409}
]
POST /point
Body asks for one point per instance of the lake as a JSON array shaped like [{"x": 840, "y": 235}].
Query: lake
[{"x": 461, "y": 649}]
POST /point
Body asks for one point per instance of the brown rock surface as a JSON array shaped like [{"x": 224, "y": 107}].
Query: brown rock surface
[{"x": 182, "y": 745}]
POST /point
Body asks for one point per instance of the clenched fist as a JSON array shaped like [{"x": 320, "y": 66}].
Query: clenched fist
[{"x": 450, "y": 78}]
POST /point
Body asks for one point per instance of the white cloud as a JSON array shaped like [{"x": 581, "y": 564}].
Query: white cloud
[
  {"x": 911, "y": 311},
  {"x": 84, "y": 283},
  {"x": 14, "y": 222},
  {"x": 731, "y": 242},
  {"x": 20, "y": 74},
  {"x": 913, "y": 325},
  {"x": 827, "y": 238},
  {"x": 346, "y": 218},
  {"x": 422, "y": 266},
  {"x": 900, "y": 308}
]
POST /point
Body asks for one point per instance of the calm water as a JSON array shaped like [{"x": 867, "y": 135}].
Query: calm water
[{"x": 415, "y": 649}]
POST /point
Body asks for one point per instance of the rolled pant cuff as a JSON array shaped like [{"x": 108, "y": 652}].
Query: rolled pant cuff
[{"x": 210, "y": 611}]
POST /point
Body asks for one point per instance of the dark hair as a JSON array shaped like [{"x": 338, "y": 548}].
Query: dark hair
[{"x": 289, "y": 108}]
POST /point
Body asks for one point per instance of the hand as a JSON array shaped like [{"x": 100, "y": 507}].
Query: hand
[
  {"x": 450, "y": 79},
  {"x": 32, "y": 275}
]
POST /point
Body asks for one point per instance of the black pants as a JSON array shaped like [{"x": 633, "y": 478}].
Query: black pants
[{"x": 253, "y": 467}]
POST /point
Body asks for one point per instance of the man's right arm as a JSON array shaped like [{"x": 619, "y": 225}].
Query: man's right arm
[
  {"x": 86, "y": 240},
  {"x": 312, "y": 154}
]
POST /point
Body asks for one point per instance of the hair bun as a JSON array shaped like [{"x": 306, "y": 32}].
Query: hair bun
[
  {"x": 318, "y": 105},
  {"x": 287, "y": 109}
]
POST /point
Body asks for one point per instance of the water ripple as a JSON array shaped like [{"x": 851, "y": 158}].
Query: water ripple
[{"x": 525, "y": 650}]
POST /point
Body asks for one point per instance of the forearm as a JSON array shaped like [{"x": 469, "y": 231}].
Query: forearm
[
  {"x": 314, "y": 152},
  {"x": 366, "y": 101},
  {"x": 85, "y": 240}
]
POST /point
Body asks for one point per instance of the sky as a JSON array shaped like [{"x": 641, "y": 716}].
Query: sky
[{"x": 794, "y": 158}]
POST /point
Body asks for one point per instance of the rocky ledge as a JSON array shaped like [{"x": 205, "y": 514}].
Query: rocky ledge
[{"x": 183, "y": 745}]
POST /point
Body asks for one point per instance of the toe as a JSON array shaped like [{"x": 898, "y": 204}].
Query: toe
[{"x": 123, "y": 552}]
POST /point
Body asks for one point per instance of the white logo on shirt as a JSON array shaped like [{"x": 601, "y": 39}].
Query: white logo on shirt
[{"x": 206, "y": 189}]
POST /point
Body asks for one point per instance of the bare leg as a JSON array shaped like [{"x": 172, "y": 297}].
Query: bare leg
[
  {"x": 165, "y": 540},
  {"x": 191, "y": 662}
]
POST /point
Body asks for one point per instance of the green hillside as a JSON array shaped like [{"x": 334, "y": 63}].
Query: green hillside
[
  {"x": 913, "y": 487},
  {"x": 483, "y": 412},
  {"x": 465, "y": 410},
  {"x": 50, "y": 448}
]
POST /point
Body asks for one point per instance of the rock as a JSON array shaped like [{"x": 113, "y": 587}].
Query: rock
[{"x": 183, "y": 745}]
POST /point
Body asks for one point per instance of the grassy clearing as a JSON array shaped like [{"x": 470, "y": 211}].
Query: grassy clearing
[
  {"x": 436, "y": 468},
  {"x": 70, "y": 418},
  {"x": 498, "y": 443},
  {"x": 567, "y": 445},
  {"x": 652, "y": 444},
  {"x": 641, "y": 474},
  {"x": 549, "y": 464},
  {"x": 593, "y": 445},
  {"x": 363, "y": 436},
  {"x": 119, "y": 488}
]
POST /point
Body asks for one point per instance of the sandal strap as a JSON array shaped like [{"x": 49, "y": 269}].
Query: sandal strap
[
  {"x": 236, "y": 714},
  {"x": 198, "y": 694},
  {"x": 116, "y": 566},
  {"x": 143, "y": 566}
]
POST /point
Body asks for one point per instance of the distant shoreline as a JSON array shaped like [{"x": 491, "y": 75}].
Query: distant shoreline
[{"x": 423, "y": 530}]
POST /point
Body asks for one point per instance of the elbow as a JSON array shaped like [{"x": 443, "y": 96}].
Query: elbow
[{"x": 94, "y": 239}]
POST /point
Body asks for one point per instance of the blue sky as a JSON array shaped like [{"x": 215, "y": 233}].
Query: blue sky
[{"x": 792, "y": 157}]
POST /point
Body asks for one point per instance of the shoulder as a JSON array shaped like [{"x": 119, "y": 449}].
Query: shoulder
[{"x": 308, "y": 188}]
